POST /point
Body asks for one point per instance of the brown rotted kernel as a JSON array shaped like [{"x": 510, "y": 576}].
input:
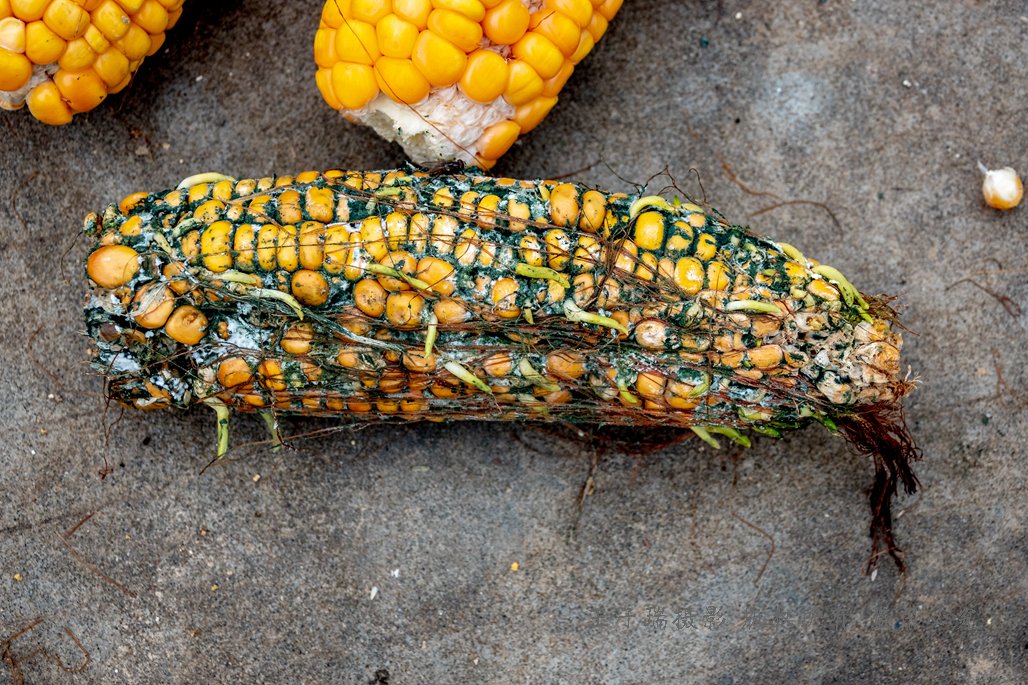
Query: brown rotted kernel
[{"x": 152, "y": 305}]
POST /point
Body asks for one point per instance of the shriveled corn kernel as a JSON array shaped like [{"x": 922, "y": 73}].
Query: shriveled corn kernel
[
  {"x": 152, "y": 305},
  {"x": 504, "y": 298},
  {"x": 566, "y": 364},
  {"x": 718, "y": 277},
  {"x": 823, "y": 289},
  {"x": 187, "y": 325},
  {"x": 765, "y": 356}
]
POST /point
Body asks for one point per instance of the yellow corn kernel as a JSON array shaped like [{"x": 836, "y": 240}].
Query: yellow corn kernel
[
  {"x": 289, "y": 207},
  {"x": 234, "y": 372},
  {"x": 373, "y": 237},
  {"x": 455, "y": 28},
  {"x": 465, "y": 250},
  {"x": 558, "y": 246},
  {"x": 414, "y": 11},
  {"x": 597, "y": 26},
  {"x": 626, "y": 257},
  {"x": 561, "y": 30},
  {"x": 586, "y": 43},
  {"x": 689, "y": 275},
  {"x": 77, "y": 56},
  {"x": 608, "y": 8},
  {"x": 449, "y": 311},
  {"x": 214, "y": 246},
  {"x": 309, "y": 287},
  {"x": 83, "y": 90},
  {"x": 706, "y": 247},
  {"x": 540, "y": 53},
  {"x": 523, "y": 83},
  {"x": 401, "y": 80},
  {"x": 370, "y": 297},
  {"x": 42, "y": 45},
  {"x": 441, "y": 62},
  {"x": 287, "y": 251},
  {"x": 553, "y": 86},
  {"x": 337, "y": 249},
  {"x": 312, "y": 249},
  {"x": 531, "y": 250},
  {"x": 111, "y": 20},
  {"x": 112, "y": 66},
  {"x": 371, "y": 11},
  {"x": 112, "y": 266},
  {"x": 472, "y": 9},
  {"x": 718, "y": 277},
  {"x": 497, "y": 139},
  {"x": 649, "y": 230},
  {"x": 507, "y": 22},
  {"x": 26, "y": 10},
  {"x": 357, "y": 42},
  {"x": 444, "y": 230},
  {"x": 403, "y": 309},
  {"x": 12, "y": 34},
  {"x": 396, "y": 36},
  {"x": 243, "y": 243},
  {"x": 697, "y": 220},
  {"x": 135, "y": 43},
  {"x": 518, "y": 211},
  {"x": 564, "y": 206},
  {"x": 530, "y": 115},
  {"x": 267, "y": 247},
  {"x": 66, "y": 19},
  {"x": 651, "y": 334},
  {"x": 648, "y": 266},
  {"x": 487, "y": 207},
  {"x": 580, "y": 11},
  {"x": 354, "y": 85},
  {"x": 396, "y": 229},
  {"x": 485, "y": 77}
]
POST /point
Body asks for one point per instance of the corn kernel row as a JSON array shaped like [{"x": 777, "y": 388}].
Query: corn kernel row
[{"x": 63, "y": 57}]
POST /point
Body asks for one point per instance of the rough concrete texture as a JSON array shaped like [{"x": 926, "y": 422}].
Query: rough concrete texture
[{"x": 392, "y": 548}]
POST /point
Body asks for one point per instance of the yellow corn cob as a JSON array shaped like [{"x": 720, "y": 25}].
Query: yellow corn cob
[
  {"x": 403, "y": 295},
  {"x": 453, "y": 79},
  {"x": 66, "y": 56}
]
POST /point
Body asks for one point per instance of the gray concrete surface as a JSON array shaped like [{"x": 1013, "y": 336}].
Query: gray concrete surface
[{"x": 876, "y": 108}]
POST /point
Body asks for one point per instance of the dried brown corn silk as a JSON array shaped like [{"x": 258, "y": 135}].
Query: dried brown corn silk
[{"x": 405, "y": 296}]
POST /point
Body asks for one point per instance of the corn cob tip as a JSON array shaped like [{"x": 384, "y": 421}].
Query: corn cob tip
[
  {"x": 63, "y": 57},
  {"x": 453, "y": 79}
]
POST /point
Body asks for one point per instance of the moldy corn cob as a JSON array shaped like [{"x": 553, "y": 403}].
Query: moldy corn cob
[
  {"x": 66, "y": 56},
  {"x": 402, "y": 296},
  {"x": 453, "y": 79}
]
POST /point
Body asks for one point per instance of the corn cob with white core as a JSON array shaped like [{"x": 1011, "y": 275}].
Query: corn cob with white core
[
  {"x": 453, "y": 79},
  {"x": 66, "y": 56},
  {"x": 401, "y": 295}
]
